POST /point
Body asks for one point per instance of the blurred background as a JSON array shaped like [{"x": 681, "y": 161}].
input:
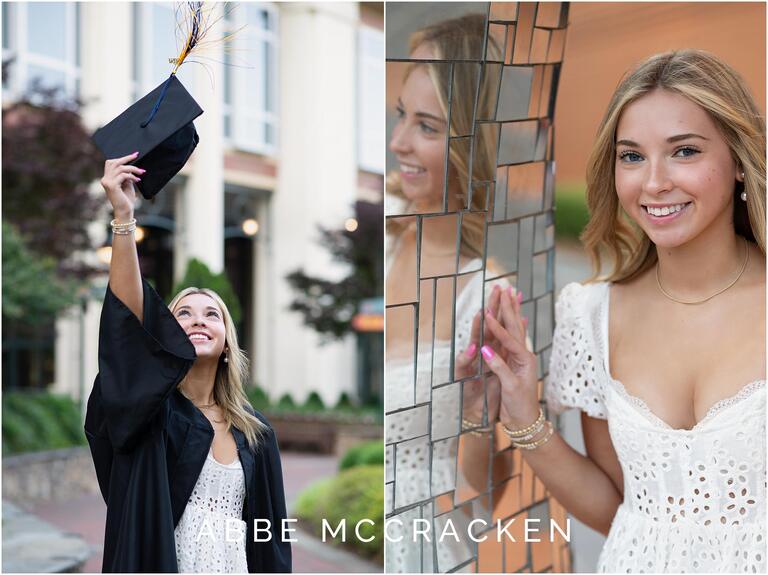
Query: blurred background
[{"x": 279, "y": 209}]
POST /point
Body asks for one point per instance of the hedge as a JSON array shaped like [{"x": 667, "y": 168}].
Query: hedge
[
  {"x": 353, "y": 495},
  {"x": 571, "y": 213},
  {"x": 38, "y": 421},
  {"x": 368, "y": 453}
]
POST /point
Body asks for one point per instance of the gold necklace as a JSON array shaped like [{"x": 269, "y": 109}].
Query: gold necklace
[
  {"x": 741, "y": 272},
  {"x": 206, "y": 407}
]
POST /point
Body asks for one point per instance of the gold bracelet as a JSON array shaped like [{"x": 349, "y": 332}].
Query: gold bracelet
[
  {"x": 114, "y": 223},
  {"x": 124, "y": 229},
  {"x": 468, "y": 426},
  {"x": 538, "y": 443},
  {"x": 530, "y": 436},
  {"x": 517, "y": 433}
]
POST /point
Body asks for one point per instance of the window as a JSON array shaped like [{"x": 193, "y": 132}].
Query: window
[
  {"x": 370, "y": 98},
  {"x": 155, "y": 41},
  {"x": 250, "y": 77},
  {"x": 44, "y": 39}
]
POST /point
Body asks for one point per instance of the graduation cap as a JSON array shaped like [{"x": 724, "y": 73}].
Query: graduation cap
[{"x": 160, "y": 128}]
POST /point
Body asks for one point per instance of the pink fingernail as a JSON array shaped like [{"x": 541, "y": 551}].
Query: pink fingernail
[
  {"x": 487, "y": 352},
  {"x": 142, "y": 171},
  {"x": 134, "y": 153},
  {"x": 511, "y": 291},
  {"x": 519, "y": 297},
  {"x": 471, "y": 350},
  {"x": 138, "y": 179}
]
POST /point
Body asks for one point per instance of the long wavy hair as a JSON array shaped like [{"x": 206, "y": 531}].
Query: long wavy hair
[
  {"x": 719, "y": 90},
  {"x": 461, "y": 39},
  {"x": 228, "y": 387}
]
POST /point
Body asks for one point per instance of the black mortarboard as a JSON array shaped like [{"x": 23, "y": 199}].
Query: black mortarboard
[{"x": 160, "y": 128}]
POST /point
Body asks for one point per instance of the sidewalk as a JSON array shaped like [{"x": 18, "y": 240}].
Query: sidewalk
[{"x": 86, "y": 515}]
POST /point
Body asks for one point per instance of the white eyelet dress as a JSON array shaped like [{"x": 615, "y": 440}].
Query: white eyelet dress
[
  {"x": 694, "y": 499},
  {"x": 210, "y": 536}
]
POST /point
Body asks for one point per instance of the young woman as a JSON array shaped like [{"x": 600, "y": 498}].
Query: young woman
[
  {"x": 190, "y": 473},
  {"x": 422, "y": 186},
  {"x": 665, "y": 354}
]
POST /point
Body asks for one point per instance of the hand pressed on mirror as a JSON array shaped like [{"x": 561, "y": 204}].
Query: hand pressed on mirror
[
  {"x": 513, "y": 363},
  {"x": 475, "y": 392}
]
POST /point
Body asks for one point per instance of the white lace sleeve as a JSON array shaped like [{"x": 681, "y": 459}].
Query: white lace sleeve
[{"x": 575, "y": 376}]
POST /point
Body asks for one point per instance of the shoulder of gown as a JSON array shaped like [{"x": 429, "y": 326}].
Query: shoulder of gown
[{"x": 140, "y": 364}]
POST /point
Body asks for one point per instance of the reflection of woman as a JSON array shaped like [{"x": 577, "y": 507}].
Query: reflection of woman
[
  {"x": 420, "y": 186},
  {"x": 184, "y": 463},
  {"x": 658, "y": 356}
]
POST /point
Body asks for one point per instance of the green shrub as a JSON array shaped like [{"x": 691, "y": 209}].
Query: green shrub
[
  {"x": 344, "y": 403},
  {"x": 353, "y": 495},
  {"x": 571, "y": 213},
  {"x": 198, "y": 275},
  {"x": 311, "y": 497},
  {"x": 40, "y": 421},
  {"x": 286, "y": 403},
  {"x": 314, "y": 402},
  {"x": 257, "y": 397},
  {"x": 368, "y": 453}
]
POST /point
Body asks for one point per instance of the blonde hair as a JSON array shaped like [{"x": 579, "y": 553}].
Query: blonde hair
[
  {"x": 717, "y": 88},
  {"x": 461, "y": 39},
  {"x": 228, "y": 387}
]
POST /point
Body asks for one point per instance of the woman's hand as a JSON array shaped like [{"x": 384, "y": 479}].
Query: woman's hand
[
  {"x": 118, "y": 183},
  {"x": 474, "y": 391},
  {"x": 513, "y": 363}
]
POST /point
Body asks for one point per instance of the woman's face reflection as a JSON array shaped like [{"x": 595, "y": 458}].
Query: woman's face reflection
[{"x": 418, "y": 140}]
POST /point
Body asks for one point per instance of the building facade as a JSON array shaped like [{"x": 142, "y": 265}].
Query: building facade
[{"x": 289, "y": 140}]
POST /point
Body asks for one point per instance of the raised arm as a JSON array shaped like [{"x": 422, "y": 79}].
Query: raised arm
[
  {"x": 124, "y": 272},
  {"x": 585, "y": 485}
]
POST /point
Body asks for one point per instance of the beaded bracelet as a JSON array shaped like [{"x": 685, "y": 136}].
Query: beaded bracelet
[
  {"x": 539, "y": 442},
  {"x": 123, "y": 229},
  {"x": 469, "y": 426},
  {"x": 533, "y": 428}
]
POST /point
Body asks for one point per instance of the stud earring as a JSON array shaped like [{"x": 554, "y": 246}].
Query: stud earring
[
  {"x": 744, "y": 196},
  {"x": 226, "y": 357}
]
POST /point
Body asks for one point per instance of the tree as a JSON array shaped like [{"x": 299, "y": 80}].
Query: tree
[
  {"x": 198, "y": 275},
  {"x": 328, "y": 306},
  {"x": 32, "y": 293},
  {"x": 49, "y": 161}
]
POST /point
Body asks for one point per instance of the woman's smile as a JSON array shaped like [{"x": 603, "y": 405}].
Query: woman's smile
[{"x": 662, "y": 215}]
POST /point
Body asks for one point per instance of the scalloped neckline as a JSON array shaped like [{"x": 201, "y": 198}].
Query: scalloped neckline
[{"x": 719, "y": 406}]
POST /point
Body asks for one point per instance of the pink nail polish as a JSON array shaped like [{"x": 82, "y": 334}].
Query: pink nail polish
[
  {"x": 471, "y": 350},
  {"x": 487, "y": 352},
  {"x": 511, "y": 291},
  {"x": 138, "y": 179}
]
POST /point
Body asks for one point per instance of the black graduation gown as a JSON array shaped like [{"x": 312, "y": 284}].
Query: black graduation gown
[{"x": 149, "y": 444}]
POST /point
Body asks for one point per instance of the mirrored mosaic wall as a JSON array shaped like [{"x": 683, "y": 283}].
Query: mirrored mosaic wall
[{"x": 471, "y": 92}]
